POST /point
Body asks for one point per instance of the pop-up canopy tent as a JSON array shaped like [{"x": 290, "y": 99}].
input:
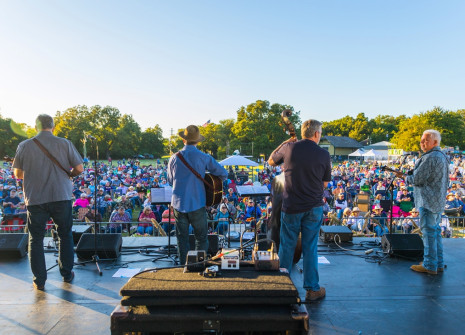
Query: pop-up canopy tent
[
  {"x": 237, "y": 160},
  {"x": 373, "y": 154},
  {"x": 357, "y": 153}
]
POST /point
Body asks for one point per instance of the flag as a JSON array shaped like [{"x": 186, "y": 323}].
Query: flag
[{"x": 206, "y": 123}]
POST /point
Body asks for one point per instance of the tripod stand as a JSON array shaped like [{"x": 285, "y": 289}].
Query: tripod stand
[{"x": 168, "y": 257}]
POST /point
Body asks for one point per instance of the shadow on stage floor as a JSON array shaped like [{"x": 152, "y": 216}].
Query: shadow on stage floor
[{"x": 363, "y": 295}]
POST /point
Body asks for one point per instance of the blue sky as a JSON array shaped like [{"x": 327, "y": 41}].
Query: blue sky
[{"x": 175, "y": 63}]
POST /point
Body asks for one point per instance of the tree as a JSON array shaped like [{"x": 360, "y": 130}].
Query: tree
[
  {"x": 152, "y": 141},
  {"x": 258, "y": 128},
  {"x": 11, "y": 134}
]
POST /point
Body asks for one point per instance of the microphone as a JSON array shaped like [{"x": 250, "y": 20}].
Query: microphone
[{"x": 90, "y": 137}]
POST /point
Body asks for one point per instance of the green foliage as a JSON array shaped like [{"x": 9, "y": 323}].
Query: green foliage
[
  {"x": 152, "y": 141},
  {"x": 256, "y": 130}
]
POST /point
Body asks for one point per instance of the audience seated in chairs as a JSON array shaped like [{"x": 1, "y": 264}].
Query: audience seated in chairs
[
  {"x": 377, "y": 223},
  {"x": 119, "y": 216},
  {"x": 411, "y": 223},
  {"x": 145, "y": 226},
  {"x": 452, "y": 207},
  {"x": 446, "y": 230},
  {"x": 355, "y": 221},
  {"x": 223, "y": 220},
  {"x": 340, "y": 204},
  {"x": 167, "y": 224}
]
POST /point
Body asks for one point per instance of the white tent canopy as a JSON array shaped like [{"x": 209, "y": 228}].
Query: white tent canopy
[
  {"x": 357, "y": 153},
  {"x": 237, "y": 160},
  {"x": 373, "y": 154}
]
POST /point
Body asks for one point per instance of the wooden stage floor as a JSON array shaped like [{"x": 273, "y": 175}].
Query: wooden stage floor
[{"x": 363, "y": 296}]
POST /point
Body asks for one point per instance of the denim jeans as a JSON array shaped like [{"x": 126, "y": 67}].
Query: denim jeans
[
  {"x": 37, "y": 218},
  {"x": 308, "y": 223},
  {"x": 145, "y": 230},
  {"x": 198, "y": 220},
  {"x": 432, "y": 240}
]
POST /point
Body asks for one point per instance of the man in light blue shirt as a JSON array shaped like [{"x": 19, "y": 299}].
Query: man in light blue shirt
[{"x": 188, "y": 198}]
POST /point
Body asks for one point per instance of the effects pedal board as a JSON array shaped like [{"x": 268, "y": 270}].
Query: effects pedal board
[
  {"x": 230, "y": 259},
  {"x": 265, "y": 260}
]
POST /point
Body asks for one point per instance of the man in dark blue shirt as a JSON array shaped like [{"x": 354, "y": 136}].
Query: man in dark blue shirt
[{"x": 307, "y": 171}]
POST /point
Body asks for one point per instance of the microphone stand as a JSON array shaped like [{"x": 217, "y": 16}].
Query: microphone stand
[
  {"x": 390, "y": 189},
  {"x": 95, "y": 258}
]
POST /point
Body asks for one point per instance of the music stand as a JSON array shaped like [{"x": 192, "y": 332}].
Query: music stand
[
  {"x": 162, "y": 196},
  {"x": 253, "y": 192}
]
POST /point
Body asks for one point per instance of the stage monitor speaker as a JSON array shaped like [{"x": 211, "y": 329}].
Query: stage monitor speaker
[
  {"x": 213, "y": 244},
  {"x": 78, "y": 230},
  {"x": 13, "y": 245},
  {"x": 328, "y": 233},
  {"x": 403, "y": 245},
  {"x": 108, "y": 246}
]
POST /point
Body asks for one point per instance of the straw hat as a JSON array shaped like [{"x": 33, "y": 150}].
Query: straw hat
[
  {"x": 192, "y": 134},
  {"x": 355, "y": 209},
  {"x": 377, "y": 207},
  {"x": 414, "y": 210}
]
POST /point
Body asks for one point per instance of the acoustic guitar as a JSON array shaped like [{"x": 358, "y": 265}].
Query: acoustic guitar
[{"x": 214, "y": 194}]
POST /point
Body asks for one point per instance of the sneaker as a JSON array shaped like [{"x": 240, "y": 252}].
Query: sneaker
[
  {"x": 421, "y": 268},
  {"x": 38, "y": 287},
  {"x": 315, "y": 295},
  {"x": 70, "y": 279}
]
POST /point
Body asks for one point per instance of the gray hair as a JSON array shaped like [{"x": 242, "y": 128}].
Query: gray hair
[
  {"x": 434, "y": 135},
  {"x": 310, "y": 127},
  {"x": 44, "y": 121}
]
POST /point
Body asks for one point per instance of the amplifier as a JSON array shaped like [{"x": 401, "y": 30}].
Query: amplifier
[
  {"x": 195, "y": 261},
  {"x": 327, "y": 233}
]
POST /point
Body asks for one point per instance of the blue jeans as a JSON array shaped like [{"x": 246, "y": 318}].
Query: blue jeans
[
  {"x": 308, "y": 223},
  {"x": 198, "y": 220},
  {"x": 145, "y": 230},
  {"x": 37, "y": 218},
  {"x": 432, "y": 240}
]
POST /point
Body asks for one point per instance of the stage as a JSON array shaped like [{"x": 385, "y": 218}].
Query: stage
[{"x": 363, "y": 296}]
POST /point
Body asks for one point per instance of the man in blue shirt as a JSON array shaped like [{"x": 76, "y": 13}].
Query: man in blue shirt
[{"x": 188, "y": 198}]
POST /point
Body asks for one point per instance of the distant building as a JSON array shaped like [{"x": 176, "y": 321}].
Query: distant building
[{"x": 339, "y": 145}]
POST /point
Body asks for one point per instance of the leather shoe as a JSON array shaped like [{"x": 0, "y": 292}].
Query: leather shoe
[
  {"x": 421, "y": 268},
  {"x": 315, "y": 295},
  {"x": 70, "y": 279}
]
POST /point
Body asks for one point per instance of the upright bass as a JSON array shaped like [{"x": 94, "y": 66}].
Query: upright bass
[{"x": 277, "y": 188}]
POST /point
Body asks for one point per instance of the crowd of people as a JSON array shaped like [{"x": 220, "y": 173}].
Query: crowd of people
[{"x": 123, "y": 196}]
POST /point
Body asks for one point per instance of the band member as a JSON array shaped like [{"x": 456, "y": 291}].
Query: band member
[
  {"x": 430, "y": 179},
  {"x": 307, "y": 171},
  {"x": 188, "y": 198},
  {"x": 47, "y": 194}
]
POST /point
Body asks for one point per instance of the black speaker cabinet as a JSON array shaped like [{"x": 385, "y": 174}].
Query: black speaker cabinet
[
  {"x": 108, "y": 246},
  {"x": 13, "y": 245},
  {"x": 403, "y": 245},
  {"x": 213, "y": 244},
  {"x": 78, "y": 230}
]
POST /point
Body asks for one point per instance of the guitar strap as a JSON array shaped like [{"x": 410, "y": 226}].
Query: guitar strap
[
  {"x": 49, "y": 155},
  {"x": 180, "y": 156}
]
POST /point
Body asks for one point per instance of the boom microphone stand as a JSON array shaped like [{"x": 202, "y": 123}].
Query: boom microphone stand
[{"x": 95, "y": 258}]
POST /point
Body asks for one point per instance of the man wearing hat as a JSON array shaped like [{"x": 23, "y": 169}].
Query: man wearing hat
[
  {"x": 430, "y": 179},
  {"x": 378, "y": 221},
  {"x": 188, "y": 199}
]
